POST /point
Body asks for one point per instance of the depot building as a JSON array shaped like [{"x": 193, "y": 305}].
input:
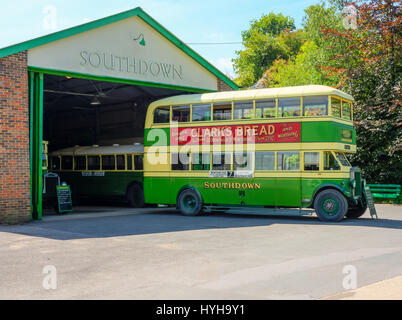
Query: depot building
[{"x": 91, "y": 84}]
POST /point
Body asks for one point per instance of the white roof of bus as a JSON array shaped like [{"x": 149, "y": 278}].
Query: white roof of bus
[
  {"x": 241, "y": 95},
  {"x": 77, "y": 151}
]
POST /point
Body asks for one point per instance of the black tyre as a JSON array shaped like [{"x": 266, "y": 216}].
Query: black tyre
[
  {"x": 355, "y": 213},
  {"x": 331, "y": 206},
  {"x": 189, "y": 203},
  {"x": 135, "y": 196}
]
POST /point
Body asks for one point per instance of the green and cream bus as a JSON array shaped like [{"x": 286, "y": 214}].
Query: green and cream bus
[
  {"x": 108, "y": 171},
  {"x": 269, "y": 148}
]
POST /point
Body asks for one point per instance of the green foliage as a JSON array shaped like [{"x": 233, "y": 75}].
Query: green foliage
[
  {"x": 262, "y": 47},
  {"x": 365, "y": 62}
]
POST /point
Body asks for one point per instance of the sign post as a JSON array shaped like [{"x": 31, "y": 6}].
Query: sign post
[
  {"x": 64, "y": 201},
  {"x": 370, "y": 202}
]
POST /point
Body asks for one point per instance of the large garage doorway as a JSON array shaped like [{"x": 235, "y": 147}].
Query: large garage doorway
[{"x": 70, "y": 111}]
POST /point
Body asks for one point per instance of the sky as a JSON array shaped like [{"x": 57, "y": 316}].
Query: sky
[{"x": 206, "y": 21}]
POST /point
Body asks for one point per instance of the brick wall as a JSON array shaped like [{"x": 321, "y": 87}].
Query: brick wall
[
  {"x": 14, "y": 140},
  {"x": 222, "y": 86}
]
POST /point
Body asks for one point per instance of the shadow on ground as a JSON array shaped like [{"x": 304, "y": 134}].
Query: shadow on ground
[{"x": 149, "y": 221}]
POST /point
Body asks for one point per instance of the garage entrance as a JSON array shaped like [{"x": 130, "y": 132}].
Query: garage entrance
[{"x": 88, "y": 85}]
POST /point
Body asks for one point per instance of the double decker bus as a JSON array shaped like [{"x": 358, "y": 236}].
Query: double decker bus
[
  {"x": 270, "y": 148},
  {"x": 107, "y": 172}
]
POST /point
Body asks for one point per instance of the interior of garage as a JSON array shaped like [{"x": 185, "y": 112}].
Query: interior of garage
[{"x": 84, "y": 112}]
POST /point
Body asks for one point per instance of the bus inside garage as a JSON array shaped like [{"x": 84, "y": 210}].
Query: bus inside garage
[
  {"x": 83, "y": 88},
  {"x": 82, "y": 113}
]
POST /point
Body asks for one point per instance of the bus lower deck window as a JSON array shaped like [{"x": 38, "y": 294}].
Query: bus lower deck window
[
  {"x": 80, "y": 163},
  {"x": 315, "y": 106},
  {"x": 222, "y": 161},
  {"x": 265, "y": 161},
  {"x": 312, "y": 161},
  {"x": 288, "y": 161},
  {"x": 93, "y": 163},
  {"x": 181, "y": 114},
  {"x": 243, "y": 110},
  {"x": 265, "y": 109},
  {"x": 180, "y": 161},
  {"x": 202, "y": 112},
  {"x": 330, "y": 163},
  {"x": 242, "y": 161},
  {"x": 223, "y": 111},
  {"x": 200, "y": 162}
]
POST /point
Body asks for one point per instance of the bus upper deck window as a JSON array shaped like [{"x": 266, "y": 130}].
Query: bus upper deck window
[
  {"x": 265, "y": 109},
  {"x": 139, "y": 163},
  {"x": 336, "y": 107},
  {"x": 181, "y": 114},
  {"x": 289, "y": 107},
  {"x": 55, "y": 163},
  {"x": 330, "y": 163},
  {"x": 311, "y": 161},
  {"x": 223, "y": 111},
  {"x": 288, "y": 161},
  {"x": 315, "y": 106},
  {"x": 121, "y": 162},
  {"x": 244, "y": 110},
  {"x": 200, "y": 162},
  {"x": 202, "y": 112},
  {"x": 346, "y": 110},
  {"x": 67, "y": 162},
  {"x": 80, "y": 163},
  {"x": 93, "y": 163},
  {"x": 162, "y": 115}
]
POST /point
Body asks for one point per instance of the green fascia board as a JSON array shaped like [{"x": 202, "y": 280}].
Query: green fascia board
[
  {"x": 119, "y": 80},
  {"x": 112, "y": 19}
]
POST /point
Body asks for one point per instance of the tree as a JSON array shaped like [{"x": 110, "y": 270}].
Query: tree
[
  {"x": 262, "y": 46},
  {"x": 370, "y": 69}
]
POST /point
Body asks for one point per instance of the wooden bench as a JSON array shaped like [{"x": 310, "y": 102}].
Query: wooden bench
[{"x": 385, "y": 191}]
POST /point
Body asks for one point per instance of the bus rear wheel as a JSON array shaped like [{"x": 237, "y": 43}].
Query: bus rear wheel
[
  {"x": 330, "y": 206},
  {"x": 189, "y": 203},
  {"x": 135, "y": 196}
]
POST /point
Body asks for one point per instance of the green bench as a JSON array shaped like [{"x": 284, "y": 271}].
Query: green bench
[{"x": 385, "y": 191}]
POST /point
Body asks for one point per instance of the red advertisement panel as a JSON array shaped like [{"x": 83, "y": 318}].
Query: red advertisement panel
[{"x": 258, "y": 133}]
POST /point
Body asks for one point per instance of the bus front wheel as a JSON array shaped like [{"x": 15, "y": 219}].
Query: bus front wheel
[
  {"x": 355, "y": 213},
  {"x": 135, "y": 195},
  {"x": 330, "y": 206},
  {"x": 189, "y": 203}
]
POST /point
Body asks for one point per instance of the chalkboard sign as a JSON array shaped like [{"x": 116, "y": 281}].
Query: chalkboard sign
[
  {"x": 370, "y": 202},
  {"x": 64, "y": 199}
]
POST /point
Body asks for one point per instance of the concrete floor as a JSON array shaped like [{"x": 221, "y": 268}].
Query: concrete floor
[{"x": 123, "y": 253}]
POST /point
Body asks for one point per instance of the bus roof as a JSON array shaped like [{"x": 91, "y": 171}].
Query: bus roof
[
  {"x": 270, "y": 93},
  {"x": 95, "y": 150}
]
